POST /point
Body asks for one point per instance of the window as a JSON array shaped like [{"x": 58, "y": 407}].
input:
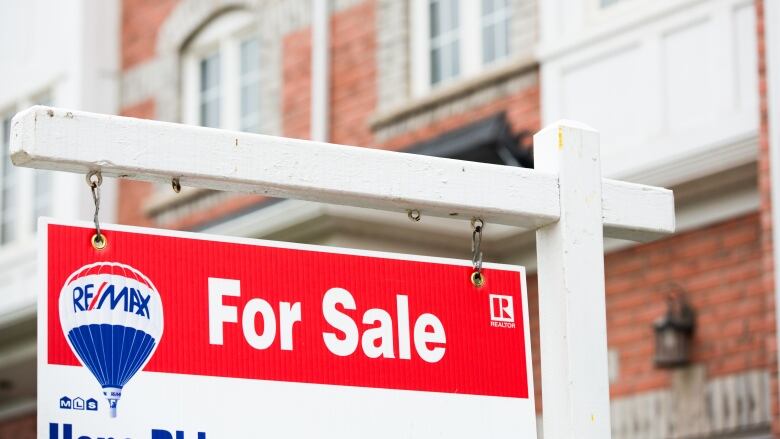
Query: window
[
  {"x": 495, "y": 30},
  {"x": 250, "y": 85},
  {"x": 209, "y": 93},
  {"x": 457, "y": 38},
  {"x": 445, "y": 47},
  {"x": 222, "y": 74}
]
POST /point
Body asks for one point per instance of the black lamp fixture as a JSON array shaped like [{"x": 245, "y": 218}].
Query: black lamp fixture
[{"x": 674, "y": 331}]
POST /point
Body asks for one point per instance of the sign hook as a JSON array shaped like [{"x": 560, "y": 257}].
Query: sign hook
[
  {"x": 94, "y": 180},
  {"x": 477, "y": 278}
]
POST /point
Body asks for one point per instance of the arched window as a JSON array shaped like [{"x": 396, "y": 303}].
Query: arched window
[{"x": 221, "y": 74}]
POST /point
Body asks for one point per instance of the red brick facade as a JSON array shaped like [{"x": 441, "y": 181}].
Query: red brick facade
[
  {"x": 18, "y": 428},
  {"x": 720, "y": 268},
  {"x": 296, "y": 95},
  {"x": 765, "y": 191},
  {"x": 141, "y": 22},
  {"x": 353, "y": 75}
]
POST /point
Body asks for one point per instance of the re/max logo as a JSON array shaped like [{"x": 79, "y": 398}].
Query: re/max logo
[
  {"x": 67, "y": 433},
  {"x": 129, "y": 299}
]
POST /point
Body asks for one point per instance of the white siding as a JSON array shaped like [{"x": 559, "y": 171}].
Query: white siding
[{"x": 666, "y": 82}]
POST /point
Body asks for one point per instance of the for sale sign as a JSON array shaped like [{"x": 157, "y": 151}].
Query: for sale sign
[{"x": 171, "y": 335}]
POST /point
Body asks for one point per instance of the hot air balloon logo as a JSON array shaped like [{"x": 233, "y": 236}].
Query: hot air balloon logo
[{"x": 112, "y": 317}]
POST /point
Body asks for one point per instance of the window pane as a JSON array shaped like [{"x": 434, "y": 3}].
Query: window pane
[
  {"x": 452, "y": 53},
  {"x": 250, "y": 56},
  {"x": 451, "y": 15},
  {"x": 435, "y": 16},
  {"x": 210, "y": 91},
  {"x": 444, "y": 40},
  {"x": 488, "y": 44},
  {"x": 209, "y": 72},
  {"x": 487, "y": 7},
  {"x": 436, "y": 74},
  {"x": 250, "y": 85},
  {"x": 495, "y": 30},
  {"x": 8, "y": 193}
]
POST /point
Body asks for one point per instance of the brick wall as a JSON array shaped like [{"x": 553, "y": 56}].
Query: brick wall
[
  {"x": 353, "y": 74},
  {"x": 352, "y": 78},
  {"x": 764, "y": 185},
  {"x": 296, "y": 86},
  {"x": 141, "y": 21},
  {"x": 720, "y": 268},
  {"x": 22, "y": 427}
]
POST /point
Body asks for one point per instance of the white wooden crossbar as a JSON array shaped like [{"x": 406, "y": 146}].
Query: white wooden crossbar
[{"x": 75, "y": 141}]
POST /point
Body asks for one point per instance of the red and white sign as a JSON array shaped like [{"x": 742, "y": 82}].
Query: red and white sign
[{"x": 219, "y": 337}]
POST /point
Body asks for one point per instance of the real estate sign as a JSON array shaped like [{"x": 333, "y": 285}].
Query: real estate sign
[{"x": 172, "y": 335}]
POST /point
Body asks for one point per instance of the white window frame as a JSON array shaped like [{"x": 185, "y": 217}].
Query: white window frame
[
  {"x": 470, "y": 44},
  {"x": 224, "y": 35}
]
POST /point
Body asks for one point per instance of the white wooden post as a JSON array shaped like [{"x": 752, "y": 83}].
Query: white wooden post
[{"x": 572, "y": 311}]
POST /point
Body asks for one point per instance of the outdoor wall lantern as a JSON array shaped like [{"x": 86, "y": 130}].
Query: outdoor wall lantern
[{"x": 674, "y": 332}]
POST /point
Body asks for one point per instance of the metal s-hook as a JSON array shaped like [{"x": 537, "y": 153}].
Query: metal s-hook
[
  {"x": 477, "y": 278},
  {"x": 94, "y": 180}
]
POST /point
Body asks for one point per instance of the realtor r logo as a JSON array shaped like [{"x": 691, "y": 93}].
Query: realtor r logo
[{"x": 502, "y": 311}]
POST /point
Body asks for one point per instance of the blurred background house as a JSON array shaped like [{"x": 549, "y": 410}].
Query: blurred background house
[{"x": 678, "y": 88}]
